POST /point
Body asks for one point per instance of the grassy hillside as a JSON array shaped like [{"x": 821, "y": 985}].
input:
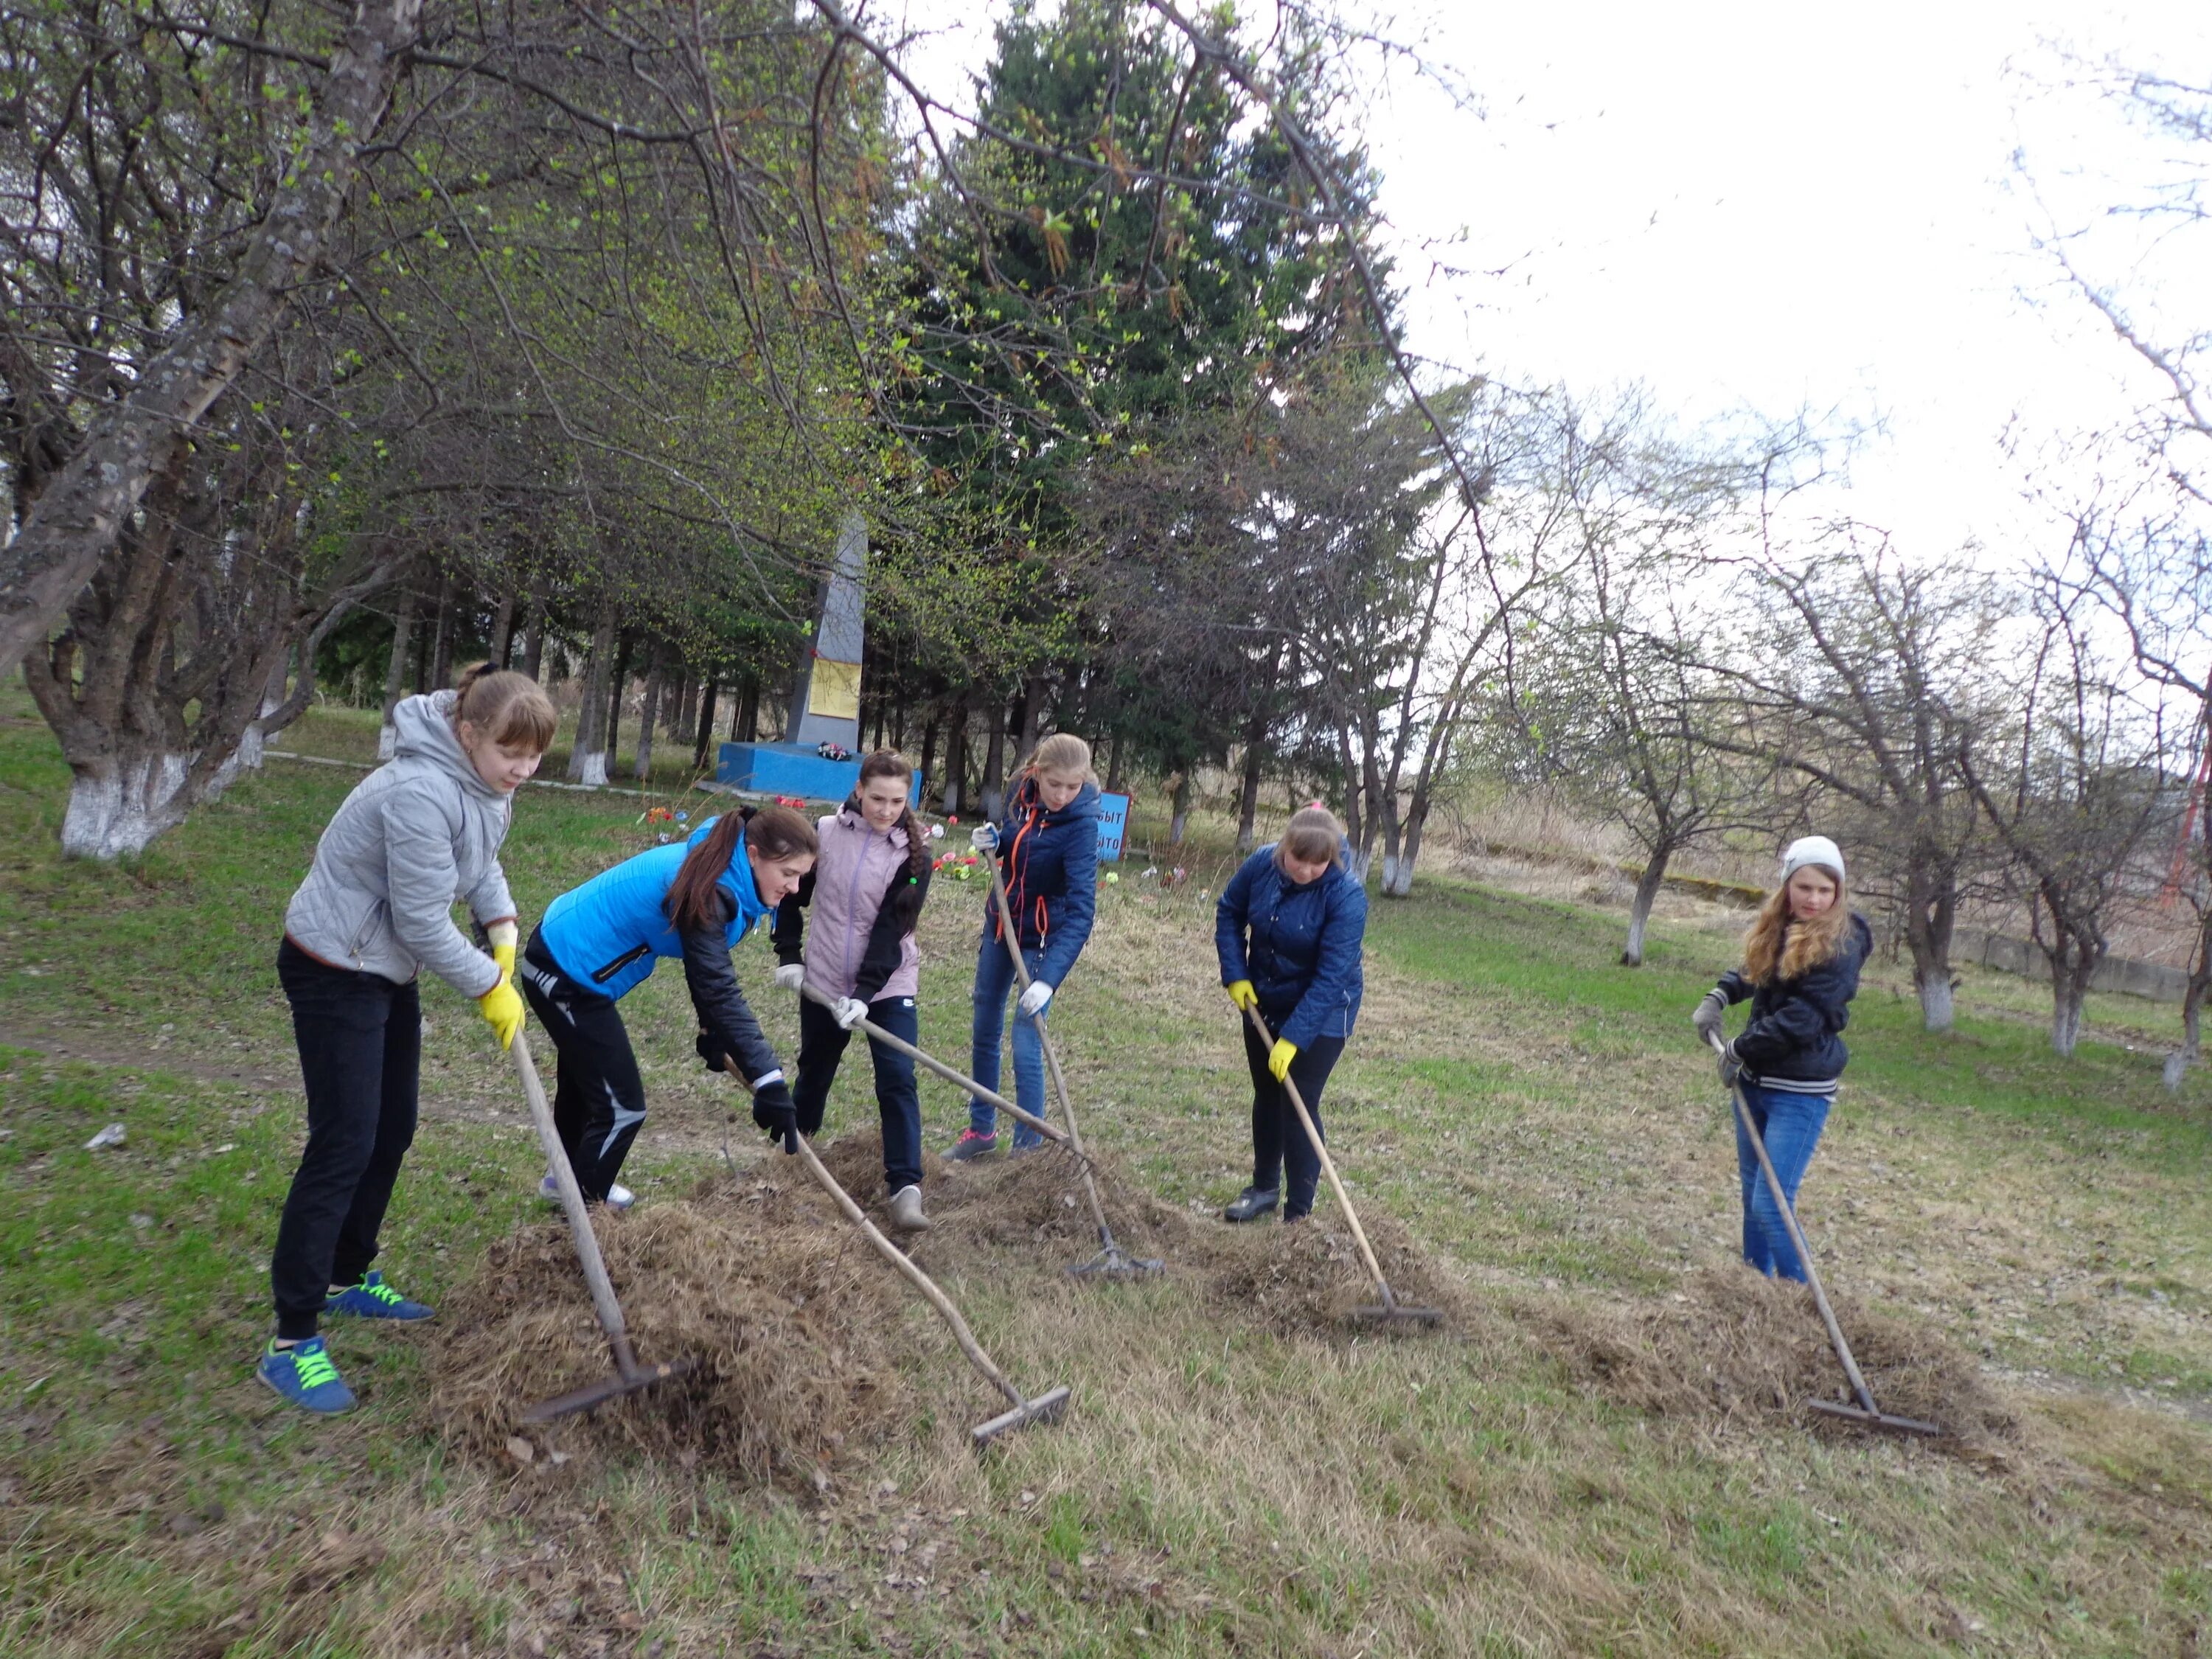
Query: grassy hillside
[{"x": 1591, "y": 1459}]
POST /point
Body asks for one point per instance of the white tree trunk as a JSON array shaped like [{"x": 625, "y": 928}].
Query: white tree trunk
[
  {"x": 591, "y": 768},
  {"x": 116, "y": 810},
  {"x": 1360, "y": 862},
  {"x": 1397, "y": 876},
  {"x": 2065, "y": 1017},
  {"x": 1936, "y": 1003},
  {"x": 387, "y": 741}
]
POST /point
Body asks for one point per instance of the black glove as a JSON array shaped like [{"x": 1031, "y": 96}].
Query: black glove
[
  {"x": 1731, "y": 1067},
  {"x": 710, "y": 1050},
  {"x": 773, "y": 1111},
  {"x": 809, "y": 1118}
]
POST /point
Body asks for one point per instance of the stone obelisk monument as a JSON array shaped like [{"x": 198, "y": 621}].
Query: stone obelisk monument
[{"x": 826, "y": 707}]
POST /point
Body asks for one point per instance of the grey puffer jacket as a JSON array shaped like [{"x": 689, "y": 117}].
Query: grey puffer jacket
[{"x": 416, "y": 833}]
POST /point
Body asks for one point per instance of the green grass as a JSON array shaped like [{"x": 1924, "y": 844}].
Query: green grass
[{"x": 1538, "y": 1116}]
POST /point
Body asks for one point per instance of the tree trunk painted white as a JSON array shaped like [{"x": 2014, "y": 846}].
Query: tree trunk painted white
[
  {"x": 1937, "y": 1004},
  {"x": 1397, "y": 876},
  {"x": 2065, "y": 1017},
  {"x": 587, "y": 760},
  {"x": 1361, "y": 861},
  {"x": 1179, "y": 809},
  {"x": 1639, "y": 907},
  {"x": 116, "y": 809}
]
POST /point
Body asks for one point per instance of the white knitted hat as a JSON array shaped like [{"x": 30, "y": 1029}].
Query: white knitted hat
[{"x": 1817, "y": 851}]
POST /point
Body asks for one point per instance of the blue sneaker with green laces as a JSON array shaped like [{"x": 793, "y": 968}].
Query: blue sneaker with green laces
[
  {"x": 304, "y": 1374},
  {"x": 373, "y": 1298}
]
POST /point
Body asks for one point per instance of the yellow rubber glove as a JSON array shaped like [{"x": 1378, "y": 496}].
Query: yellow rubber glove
[
  {"x": 1279, "y": 1058},
  {"x": 1243, "y": 996},
  {"x": 503, "y": 936},
  {"x": 503, "y": 1010}
]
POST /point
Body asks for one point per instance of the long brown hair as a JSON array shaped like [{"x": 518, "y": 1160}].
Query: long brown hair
[
  {"x": 512, "y": 710},
  {"x": 773, "y": 832},
  {"x": 1777, "y": 948},
  {"x": 906, "y": 897}
]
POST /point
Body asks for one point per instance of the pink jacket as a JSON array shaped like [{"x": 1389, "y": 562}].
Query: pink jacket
[{"x": 851, "y": 882}]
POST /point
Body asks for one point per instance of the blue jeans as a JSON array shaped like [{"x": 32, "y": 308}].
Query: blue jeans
[
  {"x": 994, "y": 983},
  {"x": 1790, "y": 1125}
]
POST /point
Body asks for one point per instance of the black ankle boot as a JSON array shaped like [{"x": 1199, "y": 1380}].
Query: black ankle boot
[{"x": 1251, "y": 1203}]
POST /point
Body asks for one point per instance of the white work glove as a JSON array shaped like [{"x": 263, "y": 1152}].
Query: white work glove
[
  {"x": 848, "y": 1012},
  {"x": 984, "y": 838},
  {"x": 1034, "y": 999},
  {"x": 790, "y": 975},
  {"x": 1709, "y": 1014}
]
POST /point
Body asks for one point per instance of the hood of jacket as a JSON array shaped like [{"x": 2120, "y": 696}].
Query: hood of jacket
[{"x": 422, "y": 730}]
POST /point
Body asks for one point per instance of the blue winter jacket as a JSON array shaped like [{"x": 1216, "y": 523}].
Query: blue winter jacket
[
  {"x": 609, "y": 934},
  {"x": 1050, "y": 861},
  {"x": 1303, "y": 956},
  {"x": 1795, "y": 1038}
]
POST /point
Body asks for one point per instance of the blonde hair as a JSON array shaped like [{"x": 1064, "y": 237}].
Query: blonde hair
[
  {"x": 1777, "y": 948},
  {"x": 511, "y": 709},
  {"x": 1314, "y": 836},
  {"x": 1063, "y": 751}
]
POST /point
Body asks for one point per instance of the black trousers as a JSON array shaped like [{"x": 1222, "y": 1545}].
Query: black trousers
[
  {"x": 1279, "y": 1146},
  {"x": 361, "y": 1056},
  {"x": 822, "y": 1043},
  {"x": 598, "y": 1098}
]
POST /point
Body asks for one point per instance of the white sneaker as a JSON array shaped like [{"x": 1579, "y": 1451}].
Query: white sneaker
[
  {"x": 906, "y": 1211},
  {"x": 619, "y": 1197}
]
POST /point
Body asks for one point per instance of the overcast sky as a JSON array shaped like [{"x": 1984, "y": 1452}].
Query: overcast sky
[{"x": 1747, "y": 205}]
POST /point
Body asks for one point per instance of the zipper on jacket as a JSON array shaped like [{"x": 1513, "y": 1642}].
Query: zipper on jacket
[
  {"x": 852, "y": 899},
  {"x": 367, "y": 924},
  {"x": 620, "y": 962}
]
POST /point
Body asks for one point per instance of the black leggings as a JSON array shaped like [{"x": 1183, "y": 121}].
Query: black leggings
[
  {"x": 1279, "y": 1146},
  {"x": 598, "y": 1098},
  {"x": 360, "y": 1054}
]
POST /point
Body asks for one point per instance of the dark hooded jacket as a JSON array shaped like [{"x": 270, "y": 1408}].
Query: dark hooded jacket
[
  {"x": 1299, "y": 945},
  {"x": 1050, "y": 861},
  {"x": 1795, "y": 1041}
]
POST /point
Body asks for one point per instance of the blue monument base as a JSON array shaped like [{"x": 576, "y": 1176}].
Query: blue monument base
[{"x": 791, "y": 769}]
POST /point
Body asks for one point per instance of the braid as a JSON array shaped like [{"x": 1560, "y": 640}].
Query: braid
[{"x": 906, "y": 900}]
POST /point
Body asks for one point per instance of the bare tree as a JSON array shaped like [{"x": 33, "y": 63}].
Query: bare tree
[
  {"x": 1861, "y": 674},
  {"x": 1609, "y": 695},
  {"x": 2074, "y": 796}
]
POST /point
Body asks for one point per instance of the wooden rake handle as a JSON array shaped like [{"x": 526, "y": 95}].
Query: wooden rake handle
[
  {"x": 891, "y": 1253},
  {"x": 1796, "y": 1236},
  {"x": 1328, "y": 1167},
  {"x": 571, "y": 1203},
  {"x": 899, "y": 1045},
  {"x": 1051, "y": 1055}
]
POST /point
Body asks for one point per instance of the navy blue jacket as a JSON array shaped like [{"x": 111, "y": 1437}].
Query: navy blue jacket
[
  {"x": 1050, "y": 862},
  {"x": 1303, "y": 954},
  {"x": 1795, "y": 1038}
]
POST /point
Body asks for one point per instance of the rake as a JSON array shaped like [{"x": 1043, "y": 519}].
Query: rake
[
  {"x": 1051, "y": 1132},
  {"x": 1389, "y": 1310},
  {"x": 1866, "y": 1413},
  {"x": 1025, "y": 1409},
  {"x": 1112, "y": 1262},
  {"x": 630, "y": 1377}
]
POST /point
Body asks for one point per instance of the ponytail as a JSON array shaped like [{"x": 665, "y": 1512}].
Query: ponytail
[
  {"x": 905, "y": 898},
  {"x": 773, "y": 832}
]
